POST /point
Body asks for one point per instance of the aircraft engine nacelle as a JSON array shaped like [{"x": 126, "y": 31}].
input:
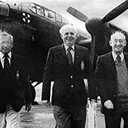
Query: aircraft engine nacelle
[{"x": 4, "y": 9}]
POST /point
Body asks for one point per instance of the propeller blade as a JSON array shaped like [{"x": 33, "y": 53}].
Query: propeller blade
[
  {"x": 116, "y": 11},
  {"x": 77, "y": 14}
]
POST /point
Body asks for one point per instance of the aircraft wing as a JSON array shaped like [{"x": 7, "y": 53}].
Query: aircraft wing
[{"x": 115, "y": 28}]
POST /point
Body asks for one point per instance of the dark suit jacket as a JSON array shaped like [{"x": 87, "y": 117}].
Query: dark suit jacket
[
  {"x": 58, "y": 69},
  {"x": 106, "y": 77},
  {"x": 14, "y": 90}
]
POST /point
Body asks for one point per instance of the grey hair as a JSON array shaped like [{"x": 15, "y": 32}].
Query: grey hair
[
  {"x": 6, "y": 34},
  {"x": 120, "y": 32},
  {"x": 66, "y": 26}
]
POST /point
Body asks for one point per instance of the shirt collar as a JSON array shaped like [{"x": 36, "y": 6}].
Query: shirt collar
[
  {"x": 1, "y": 55},
  {"x": 66, "y": 47},
  {"x": 114, "y": 56}
]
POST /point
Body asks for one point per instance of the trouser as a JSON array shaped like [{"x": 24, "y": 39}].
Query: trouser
[
  {"x": 121, "y": 112},
  {"x": 10, "y": 119},
  {"x": 69, "y": 118}
]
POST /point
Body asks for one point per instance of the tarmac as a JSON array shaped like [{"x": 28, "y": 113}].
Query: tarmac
[{"x": 41, "y": 116}]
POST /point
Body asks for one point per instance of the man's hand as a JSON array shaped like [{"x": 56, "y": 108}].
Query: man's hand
[
  {"x": 28, "y": 107},
  {"x": 93, "y": 102},
  {"x": 108, "y": 104}
]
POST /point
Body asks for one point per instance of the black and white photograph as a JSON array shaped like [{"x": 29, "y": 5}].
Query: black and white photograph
[{"x": 63, "y": 64}]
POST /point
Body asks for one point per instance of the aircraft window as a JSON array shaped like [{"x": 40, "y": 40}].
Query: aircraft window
[
  {"x": 58, "y": 18},
  {"x": 49, "y": 14},
  {"x": 26, "y": 17},
  {"x": 23, "y": 14},
  {"x": 40, "y": 11},
  {"x": 64, "y": 20},
  {"x": 32, "y": 7},
  {"x": 4, "y": 9}
]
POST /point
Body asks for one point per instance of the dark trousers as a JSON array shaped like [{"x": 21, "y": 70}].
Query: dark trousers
[
  {"x": 69, "y": 118},
  {"x": 114, "y": 121}
]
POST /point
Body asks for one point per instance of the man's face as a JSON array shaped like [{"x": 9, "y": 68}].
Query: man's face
[
  {"x": 5, "y": 45},
  {"x": 117, "y": 42},
  {"x": 69, "y": 36}
]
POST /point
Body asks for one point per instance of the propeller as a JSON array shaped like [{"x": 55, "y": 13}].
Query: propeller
[
  {"x": 99, "y": 28},
  {"x": 116, "y": 12},
  {"x": 77, "y": 14},
  {"x": 110, "y": 16},
  {"x": 96, "y": 26}
]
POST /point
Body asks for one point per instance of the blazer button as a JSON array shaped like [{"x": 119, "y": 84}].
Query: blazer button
[{"x": 71, "y": 86}]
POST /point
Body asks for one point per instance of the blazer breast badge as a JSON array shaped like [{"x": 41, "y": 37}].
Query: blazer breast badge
[{"x": 82, "y": 65}]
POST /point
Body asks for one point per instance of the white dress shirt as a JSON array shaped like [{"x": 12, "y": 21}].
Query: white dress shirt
[
  {"x": 2, "y": 58},
  {"x": 114, "y": 56}
]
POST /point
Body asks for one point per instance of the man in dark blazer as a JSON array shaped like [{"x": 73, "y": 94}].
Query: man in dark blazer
[
  {"x": 68, "y": 72},
  {"x": 112, "y": 80},
  {"x": 14, "y": 85}
]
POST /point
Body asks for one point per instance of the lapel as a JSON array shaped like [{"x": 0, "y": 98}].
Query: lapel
[
  {"x": 62, "y": 53},
  {"x": 78, "y": 54},
  {"x": 11, "y": 66},
  {"x": 126, "y": 59},
  {"x": 110, "y": 62},
  {"x": 1, "y": 65},
  {"x": 14, "y": 61}
]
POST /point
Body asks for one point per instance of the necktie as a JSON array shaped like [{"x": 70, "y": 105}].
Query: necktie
[
  {"x": 69, "y": 55},
  {"x": 118, "y": 61},
  {"x": 6, "y": 61}
]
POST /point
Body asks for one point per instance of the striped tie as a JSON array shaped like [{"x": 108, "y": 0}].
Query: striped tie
[
  {"x": 6, "y": 61},
  {"x": 118, "y": 61},
  {"x": 69, "y": 55}
]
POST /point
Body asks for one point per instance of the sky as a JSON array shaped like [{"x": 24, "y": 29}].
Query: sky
[{"x": 91, "y": 8}]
